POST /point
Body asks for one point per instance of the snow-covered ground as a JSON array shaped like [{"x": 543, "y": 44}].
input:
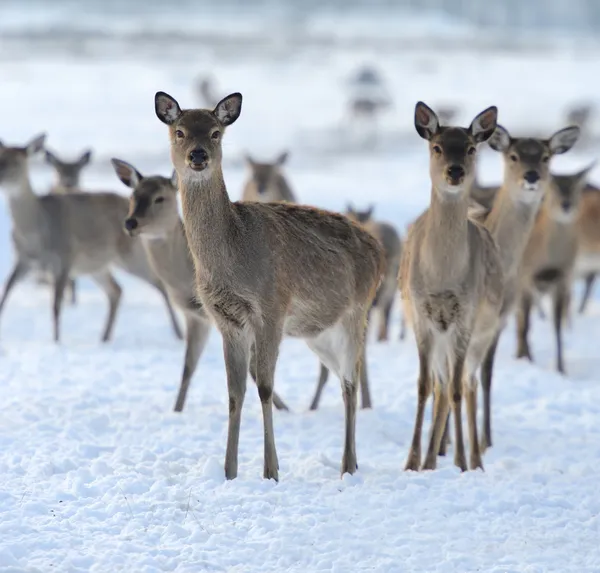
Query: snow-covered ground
[{"x": 98, "y": 474}]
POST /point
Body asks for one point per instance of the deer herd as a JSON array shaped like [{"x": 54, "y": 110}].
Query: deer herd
[{"x": 266, "y": 267}]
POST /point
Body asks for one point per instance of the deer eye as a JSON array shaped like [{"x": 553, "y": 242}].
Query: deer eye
[
  {"x": 437, "y": 149},
  {"x": 216, "y": 134},
  {"x": 546, "y": 158},
  {"x": 513, "y": 157},
  {"x": 471, "y": 150},
  {"x": 159, "y": 199},
  {"x": 179, "y": 134}
]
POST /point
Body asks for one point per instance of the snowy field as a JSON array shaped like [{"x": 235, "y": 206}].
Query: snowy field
[{"x": 97, "y": 474}]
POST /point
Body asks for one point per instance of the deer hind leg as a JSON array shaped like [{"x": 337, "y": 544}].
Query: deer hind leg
[
  {"x": 196, "y": 335},
  {"x": 456, "y": 391},
  {"x": 60, "y": 283},
  {"x": 440, "y": 422},
  {"x": 523, "y": 316},
  {"x": 560, "y": 297},
  {"x": 323, "y": 376},
  {"x": 267, "y": 343},
  {"x": 277, "y": 400},
  {"x": 587, "y": 293},
  {"x": 487, "y": 369},
  {"x": 73, "y": 289},
  {"x": 113, "y": 291},
  {"x": 475, "y": 461},
  {"x": 236, "y": 350}
]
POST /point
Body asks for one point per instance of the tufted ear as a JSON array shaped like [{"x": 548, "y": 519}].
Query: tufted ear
[
  {"x": 127, "y": 173},
  {"x": 282, "y": 158},
  {"x": 85, "y": 158},
  {"x": 51, "y": 158},
  {"x": 229, "y": 108},
  {"x": 427, "y": 123},
  {"x": 484, "y": 124},
  {"x": 500, "y": 140},
  {"x": 563, "y": 140},
  {"x": 36, "y": 144},
  {"x": 166, "y": 107}
]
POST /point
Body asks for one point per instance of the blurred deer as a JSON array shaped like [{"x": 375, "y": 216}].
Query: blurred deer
[
  {"x": 207, "y": 91},
  {"x": 70, "y": 234},
  {"x": 260, "y": 271},
  {"x": 267, "y": 182}
]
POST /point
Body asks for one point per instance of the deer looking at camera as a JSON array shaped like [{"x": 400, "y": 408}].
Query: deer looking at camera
[
  {"x": 259, "y": 274},
  {"x": 451, "y": 281},
  {"x": 154, "y": 216},
  {"x": 266, "y": 182}
]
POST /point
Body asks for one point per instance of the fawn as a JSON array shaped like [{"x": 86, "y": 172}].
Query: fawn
[
  {"x": 266, "y": 182},
  {"x": 452, "y": 283},
  {"x": 510, "y": 222},
  {"x": 259, "y": 274},
  {"x": 550, "y": 256},
  {"x": 68, "y": 173},
  {"x": 70, "y": 234},
  {"x": 153, "y": 215}
]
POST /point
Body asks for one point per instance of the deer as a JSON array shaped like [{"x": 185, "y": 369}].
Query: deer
[
  {"x": 68, "y": 180},
  {"x": 154, "y": 216},
  {"x": 549, "y": 260},
  {"x": 510, "y": 222},
  {"x": 452, "y": 286},
  {"x": 68, "y": 235},
  {"x": 259, "y": 271},
  {"x": 266, "y": 182},
  {"x": 384, "y": 298},
  {"x": 588, "y": 239}
]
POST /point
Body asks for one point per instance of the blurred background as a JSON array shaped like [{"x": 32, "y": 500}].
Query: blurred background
[{"x": 333, "y": 82}]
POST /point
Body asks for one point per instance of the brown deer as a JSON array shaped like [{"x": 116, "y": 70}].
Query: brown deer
[
  {"x": 68, "y": 235},
  {"x": 550, "y": 257},
  {"x": 153, "y": 215},
  {"x": 451, "y": 281},
  {"x": 260, "y": 271},
  {"x": 266, "y": 182},
  {"x": 526, "y": 180}
]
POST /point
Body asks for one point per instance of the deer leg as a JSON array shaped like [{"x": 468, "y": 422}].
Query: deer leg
[
  {"x": 277, "y": 400},
  {"x": 170, "y": 310},
  {"x": 323, "y": 376},
  {"x": 384, "y": 320},
  {"x": 113, "y": 291},
  {"x": 236, "y": 350},
  {"x": 196, "y": 336},
  {"x": 267, "y": 350},
  {"x": 456, "y": 389},
  {"x": 558, "y": 310},
  {"x": 18, "y": 273},
  {"x": 587, "y": 293},
  {"x": 475, "y": 461},
  {"x": 402, "y": 327},
  {"x": 60, "y": 283},
  {"x": 523, "y": 316},
  {"x": 487, "y": 369},
  {"x": 440, "y": 421},
  {"x": 365, "y": 393},
  {"x": 446, "y": 435},
  {"x": 73, "y": 289},
  {"x": 424, "y": 389}
]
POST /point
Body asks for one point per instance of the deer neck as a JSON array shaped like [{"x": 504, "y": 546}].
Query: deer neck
[
  {"x": 209, "y": 219},
  {"x": 446, "y": 242},
  {"x": 24, "y": 205},
  {"x": 510, "y": 223}
]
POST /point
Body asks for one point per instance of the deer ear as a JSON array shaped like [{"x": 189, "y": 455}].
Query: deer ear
[
  {"x": 563, "y": 140},
  {"x": 127, "y": 173},
  {"x": 85, "y": 158},
  {"x": 229, "y": 109},
  {"x": 174, "y": 179},
  {"x": 427, "y": 123},
  {"x": 500, "y": 140},
  {"x": 166, "y": 107},
  {"x": 36, "y": 144},
  {"x": 484, "y": 124},
  {"x": 282, "y": 158},
  {"x": 370, "y": 210},
  {"x": 51, "y": 158}
]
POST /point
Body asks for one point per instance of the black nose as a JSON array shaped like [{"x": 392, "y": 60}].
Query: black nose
[
  {"x": 455, "y": 172},
  {"x": 198, "y": 155},
  {"x": 531, "y": 177},
  {"x": 131, "y": 224},
  {"x": 566, "y": 205}
]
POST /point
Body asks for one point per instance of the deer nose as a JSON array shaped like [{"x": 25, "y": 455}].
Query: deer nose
[
  {"x": 198, "y": 155},
  {"x": 531, "y": 177},
  {"x": 566, "y": 205},
  {"x": 455, "y": 172},
  {"x": 131, "y": 224}
]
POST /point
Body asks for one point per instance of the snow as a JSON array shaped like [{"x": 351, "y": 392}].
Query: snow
[{"x": 97, "y": 474}]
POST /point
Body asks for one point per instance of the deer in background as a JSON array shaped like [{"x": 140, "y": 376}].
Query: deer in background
[
  {"x": 266, "y": 182},
  {"x": 384, "y": 299},
  {"x": 510, "y": 222},
  {"x": 70, "y": 234},
  {"x": 452, "y": 283},
  {"x": 259, "y": 274},
  {"x": 550, "y": 257},
  {"x": 154, "y": 216}
]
